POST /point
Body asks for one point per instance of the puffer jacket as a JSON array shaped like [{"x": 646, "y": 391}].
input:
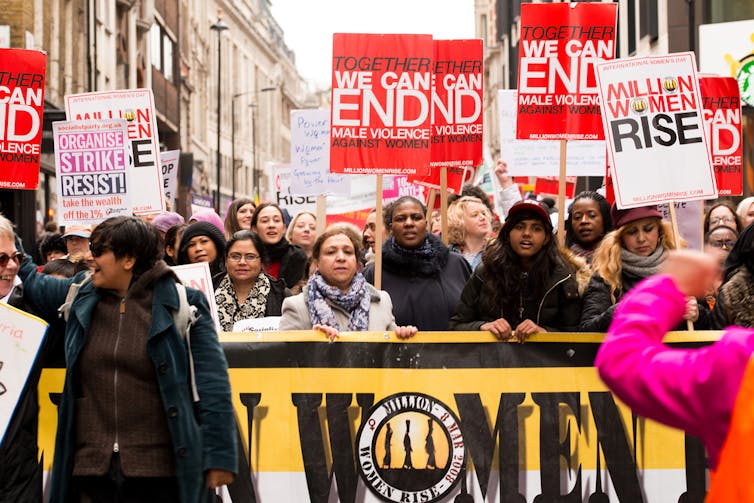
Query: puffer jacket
[{"x": 556, "y": 311}]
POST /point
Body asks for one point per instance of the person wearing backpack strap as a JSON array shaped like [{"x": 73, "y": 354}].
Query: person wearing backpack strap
[{"x": 127, "y": 420}]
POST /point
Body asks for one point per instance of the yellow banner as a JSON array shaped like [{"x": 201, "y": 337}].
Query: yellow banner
[{"x": 373, "y": 418}]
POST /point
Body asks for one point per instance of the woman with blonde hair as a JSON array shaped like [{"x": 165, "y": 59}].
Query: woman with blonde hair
[
  {"x": 469, "y": 222},
  {"x": 635, "y": 250},
  {"x": 302, "y": 231}
]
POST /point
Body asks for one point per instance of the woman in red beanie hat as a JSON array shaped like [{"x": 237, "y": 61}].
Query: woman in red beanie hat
[{"x": 635, "y": 250}]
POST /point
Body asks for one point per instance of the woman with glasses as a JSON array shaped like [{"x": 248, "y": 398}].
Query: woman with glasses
[
  {"x": 718, "y": 243},
  {"x": 736, "y": 295},
  {"x": 721, "y": 213},
  {"x": 246, "y": 291}
]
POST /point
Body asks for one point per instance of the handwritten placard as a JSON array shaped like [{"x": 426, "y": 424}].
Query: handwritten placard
[{"x": 310, "y": 155}]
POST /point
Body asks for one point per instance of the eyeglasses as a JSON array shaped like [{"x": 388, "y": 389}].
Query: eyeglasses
[
  {"x": 17, "y": 257},
  {"x": 720, "y": 220},
  {"x": 236, "y": 257},
  {"x": 98, "y": 248},
  {"x": 727, "y": 245}
]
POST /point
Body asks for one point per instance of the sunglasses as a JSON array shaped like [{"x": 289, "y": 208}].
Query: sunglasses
[
  {"x": 17, "y": 257},
  {"x": 97, "y": 248}
]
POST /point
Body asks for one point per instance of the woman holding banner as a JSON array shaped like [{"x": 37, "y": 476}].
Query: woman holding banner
[
  {"x": 337, "y": 297},
  {"x": 524, "y": 285},
  {"x": 635, "y": 250},
  {"x": 247, "y": 292},
  {"x": 283, "y": 260},
  {"x": 422, "y": 276}
]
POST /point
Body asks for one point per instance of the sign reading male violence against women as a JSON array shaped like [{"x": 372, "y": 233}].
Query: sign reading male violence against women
[
  {"x": 136, "y": 106},
  {"x": 557, "y": 93},
  {"x": 381, "y": 104},
  {"x": 457, "y": 118},
  {"x": 652, "y": 114},
  {"x": 722, "y": 116},
  {"x": 91, "y": 164},
  {"x": 22, "y": 85}
]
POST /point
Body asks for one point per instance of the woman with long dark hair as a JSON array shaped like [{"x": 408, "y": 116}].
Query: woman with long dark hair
[
  {"x": 239, "y": 215},
  {"x": 283, "y": 260},
  {"x": 736, "y": 295},
  {"x": 524, "y": 285}
]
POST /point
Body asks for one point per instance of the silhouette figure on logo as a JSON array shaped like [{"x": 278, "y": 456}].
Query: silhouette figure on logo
[
  {"x": 429, "y": 446},
  {"x": 407, "y": 464},
  {"x": 388, "y": 438}
]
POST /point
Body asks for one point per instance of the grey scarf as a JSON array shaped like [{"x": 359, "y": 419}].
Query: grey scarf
[{"x": 643, "y": 267}]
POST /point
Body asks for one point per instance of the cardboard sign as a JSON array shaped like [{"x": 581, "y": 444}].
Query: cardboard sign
[
  {"x": 722, "y": 116},
  {"x": 21, "y": 336},
  {"x": 136, "y": 106},
  {"x": 91, "y": 164},
  {"x": 310, "y": 155},
  {"x": 457, "y": 113},
  {"x": 652, "y": 114},
  {"x": 689, "y": 216},
  {"x": 560, "y": 44},
  {"x": 542, "y": 157},
  {"x": 169, "y": 167},
  {"x": 22, "y": 87},
  {"x": 381, "y": 104},
  {"x": 198, "y": 276}
]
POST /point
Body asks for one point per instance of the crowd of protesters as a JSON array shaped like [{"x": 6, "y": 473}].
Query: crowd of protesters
[{"x": 510, "y": 279}]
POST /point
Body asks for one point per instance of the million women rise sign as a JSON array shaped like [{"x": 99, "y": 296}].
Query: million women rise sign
[{"x": 653, "y": 120}]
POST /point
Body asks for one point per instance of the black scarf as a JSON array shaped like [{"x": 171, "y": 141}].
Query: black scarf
[
  {"x": 427, "y": 259},
  {"x": 275, "y": 252}
]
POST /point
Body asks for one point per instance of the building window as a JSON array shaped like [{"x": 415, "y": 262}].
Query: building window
[{"x": 162, "y": 50}]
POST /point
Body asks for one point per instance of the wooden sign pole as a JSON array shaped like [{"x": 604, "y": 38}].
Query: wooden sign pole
[
  {"x": 444, "y": 203},
  {"x": 321, "y": 213},
  {"x": 378, "y": 237},
  {"x": 677, "y": 236},
  {"x": 561, "y": 194}
]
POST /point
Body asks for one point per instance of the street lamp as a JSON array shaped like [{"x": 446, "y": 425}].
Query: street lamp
[
  {"x": 219, "y": 27},
  {"x": 254, "y": 115}
]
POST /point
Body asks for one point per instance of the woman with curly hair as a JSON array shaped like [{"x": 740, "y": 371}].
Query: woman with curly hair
[
  {"x": 524, "y": 285},
  {"x": 587, "y": 222},
  {"x": 635, "y": 250},
  {"x": 468, "y": 227}
]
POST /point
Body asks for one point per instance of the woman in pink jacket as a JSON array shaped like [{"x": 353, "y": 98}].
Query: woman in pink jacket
[{"x": 709, "y": 392}]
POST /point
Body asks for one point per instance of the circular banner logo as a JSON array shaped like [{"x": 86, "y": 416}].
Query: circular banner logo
[{"x": 410, "y": 448}]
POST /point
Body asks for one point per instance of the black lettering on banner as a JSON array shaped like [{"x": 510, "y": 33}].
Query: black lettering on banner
[
  {"x": 341, "y": 445},
  {"x": 141, "y": 153},
  {"x": 551, "y": 448},
  {"x": 673, "y": 126},
  {"x": 480, "y": 441},
  {"x": 611, "y": 434}
]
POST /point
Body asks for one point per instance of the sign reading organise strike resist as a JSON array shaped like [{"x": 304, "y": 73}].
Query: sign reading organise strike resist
[
  {"x": 310, "y": 155},
  {"x": 381, "y": 104},
  {"x": 652, "y": 114},
  {"x": 136, "y": 106},
  {"x": 21, "y": 336},
  {"x": 91, "y": 160},
  {"x": 457, "y": 120},
  {"x": 557, "y": 93},
  {"x": 22, "y": 85},
  {"x": 722, "y": 116}
]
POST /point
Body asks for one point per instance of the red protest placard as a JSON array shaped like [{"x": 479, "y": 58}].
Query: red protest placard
[
  {"x": 557, "y": 90},
  {"x": 381, "y": 104},
  {"x": 457, "y": 118},
  {"x": 22, "y": 86},
  {"x": 721, "y": 103}
]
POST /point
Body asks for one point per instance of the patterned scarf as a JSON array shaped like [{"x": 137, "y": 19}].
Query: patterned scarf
[
  {"x": 356, "y": 302},
  {"x": 643, "y": 267},
  {"x": 254, "y": 306}
]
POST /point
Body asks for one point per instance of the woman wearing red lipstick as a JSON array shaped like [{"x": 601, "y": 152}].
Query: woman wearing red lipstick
[
  {"x": 587, "y": 222},
  {"x": 635, "y": 250}
]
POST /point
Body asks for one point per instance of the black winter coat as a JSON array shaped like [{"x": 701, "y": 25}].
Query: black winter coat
[
  {"x": 557, "y": 311},
  {"x": 424, "y": 291}
]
